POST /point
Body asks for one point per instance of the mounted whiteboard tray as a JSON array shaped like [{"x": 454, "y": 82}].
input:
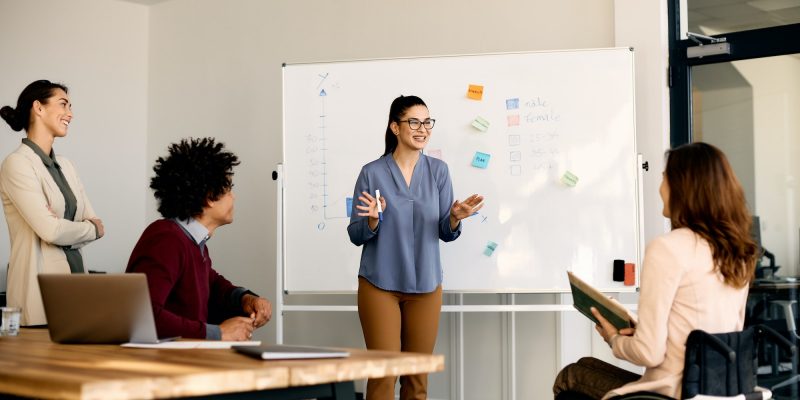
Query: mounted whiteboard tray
[{"x": 549, "y": 114}]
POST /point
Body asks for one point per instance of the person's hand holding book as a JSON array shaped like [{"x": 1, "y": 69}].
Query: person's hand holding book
[{"x": 607, "y": 330}]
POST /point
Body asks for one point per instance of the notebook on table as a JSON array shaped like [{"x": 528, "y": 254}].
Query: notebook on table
[
  {"x": 98, "y": 308},
  {"x": 290, "y": 352}
]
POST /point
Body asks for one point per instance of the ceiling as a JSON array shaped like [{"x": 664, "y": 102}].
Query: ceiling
[
  {"x": 719, "y": 15},
  {"x": 722, "y": 16}
]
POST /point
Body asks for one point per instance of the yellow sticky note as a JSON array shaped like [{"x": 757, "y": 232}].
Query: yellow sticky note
[{"x": 475, "y": 92}]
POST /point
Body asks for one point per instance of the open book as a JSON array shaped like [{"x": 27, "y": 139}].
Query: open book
[
  {"x": 585, "y": 296},
  {"x": 287, "y": 352}
]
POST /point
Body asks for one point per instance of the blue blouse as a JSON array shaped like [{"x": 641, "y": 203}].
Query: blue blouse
[{"x": 402, "y": 254}]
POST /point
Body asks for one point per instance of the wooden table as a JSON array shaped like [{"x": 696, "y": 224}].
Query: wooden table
[{"x": 33, "y": 366}]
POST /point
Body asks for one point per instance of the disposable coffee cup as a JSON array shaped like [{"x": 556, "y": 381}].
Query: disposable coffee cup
[{"x": 9, "y": 323}]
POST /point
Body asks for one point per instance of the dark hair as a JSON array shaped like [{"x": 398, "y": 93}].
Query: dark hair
[
  {"x": 706, "y": 197},
  {"x": 20, "y": 118},
  {"x": 399, "y": 107},
  {"x": 195, "y": 172}
]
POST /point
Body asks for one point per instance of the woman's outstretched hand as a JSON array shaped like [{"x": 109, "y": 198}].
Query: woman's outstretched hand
[{"x": 461, "y": 210}]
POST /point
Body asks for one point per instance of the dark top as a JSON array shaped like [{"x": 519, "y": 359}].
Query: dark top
[
  {"x": 185, "y": 290},
  {"x": 74, "y": 257}
]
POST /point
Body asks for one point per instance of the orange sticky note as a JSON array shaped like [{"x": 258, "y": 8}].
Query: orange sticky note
[{"x": 475, "y": 92}]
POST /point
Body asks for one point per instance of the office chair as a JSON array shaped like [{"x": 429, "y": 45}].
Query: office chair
[
  {"x": 767, "y": 272},
  {"x": 722, "y": 366}
]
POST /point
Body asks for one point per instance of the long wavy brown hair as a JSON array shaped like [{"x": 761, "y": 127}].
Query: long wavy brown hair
[{"x": 706, "y": 197}]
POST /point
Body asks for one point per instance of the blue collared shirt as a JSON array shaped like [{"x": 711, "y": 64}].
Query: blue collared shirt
[
  {"x": 402, "y": 254},
  {"x": 196, "y": 231}
]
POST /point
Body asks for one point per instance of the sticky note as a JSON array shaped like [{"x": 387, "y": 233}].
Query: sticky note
[
  {"x": 490, "y": 248},
  {"x": 512, "y": 104},
  {"x": 513, "y": 120},
  {"x": 475, "y": 92},
  {"x": 569, "y": 179},
  {"x": 481, "y": 160},
  {"x": 349, "y": 205},
  {"x": 516, "y": 170},
  {"x": 514, "y": 140},
  {"x": 437, "y": 153},
  {"x": 480, "y": 124},
  {"x": 515, "y": 155}
]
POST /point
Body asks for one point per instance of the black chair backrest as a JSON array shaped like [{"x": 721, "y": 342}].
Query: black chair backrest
[{"x": 723, "y": 364}]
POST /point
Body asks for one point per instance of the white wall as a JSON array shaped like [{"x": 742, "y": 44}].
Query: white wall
[
  {"x": 212, "y": 68},
  {"x": 98, "y": 48},
  {"x": 216, "y": 70}
]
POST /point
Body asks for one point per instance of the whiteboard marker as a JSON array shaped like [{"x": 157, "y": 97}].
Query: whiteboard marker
[{"x": 378, "y": 200}]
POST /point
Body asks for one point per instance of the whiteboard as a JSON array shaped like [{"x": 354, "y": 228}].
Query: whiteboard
[{"x": 549, "y": 114}]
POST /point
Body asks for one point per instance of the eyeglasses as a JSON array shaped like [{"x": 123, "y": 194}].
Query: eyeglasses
[{"x": 415, "y": 124}]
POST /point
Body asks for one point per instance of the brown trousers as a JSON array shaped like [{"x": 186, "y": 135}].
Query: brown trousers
[
  {"x": 398, "y": 322},
  {"x": 590, "y": 378}
]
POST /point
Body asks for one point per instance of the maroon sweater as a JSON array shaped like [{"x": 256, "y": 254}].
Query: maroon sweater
[{"x": 185, "y": 291}]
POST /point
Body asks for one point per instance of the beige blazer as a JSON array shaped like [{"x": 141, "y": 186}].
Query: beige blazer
[{"x": 34, "y": 209}]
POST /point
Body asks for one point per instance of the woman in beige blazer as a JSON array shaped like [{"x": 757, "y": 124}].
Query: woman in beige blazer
[
  {"x": 48, "y": 214},
  {"x": 694, "y": 277}
]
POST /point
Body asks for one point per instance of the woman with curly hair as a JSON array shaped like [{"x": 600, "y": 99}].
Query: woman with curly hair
[
  {"x": 694, "y": 277},
  {"x": 193, "y": 186},
  {"x": 48, "y": 213}
]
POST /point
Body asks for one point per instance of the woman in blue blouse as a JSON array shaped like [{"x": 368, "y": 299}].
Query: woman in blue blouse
[{"x": 400, "y": 277}]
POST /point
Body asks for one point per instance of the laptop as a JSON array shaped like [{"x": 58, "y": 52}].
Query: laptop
[{"x": 98, "y": 308}]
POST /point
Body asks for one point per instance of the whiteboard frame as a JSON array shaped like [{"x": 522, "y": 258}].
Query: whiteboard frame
[
  {"x": 508, "y": 309},
  {"x": 638, "y": 185}
]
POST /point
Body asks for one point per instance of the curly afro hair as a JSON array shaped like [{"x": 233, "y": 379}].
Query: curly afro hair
[{"x": 195, "y": 172}]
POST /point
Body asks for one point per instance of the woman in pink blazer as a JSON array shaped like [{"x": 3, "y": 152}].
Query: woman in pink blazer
[{"x": 694, "y": 277}]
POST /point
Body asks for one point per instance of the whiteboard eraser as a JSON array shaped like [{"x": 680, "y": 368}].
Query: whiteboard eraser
[{"x": 630, "y": 274}]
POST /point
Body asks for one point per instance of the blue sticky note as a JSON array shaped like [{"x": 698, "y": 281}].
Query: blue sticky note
[
  {"x": 512, "y": 104},
  {"x": 481, "y": 160},
  {"x": 349, "y": 205},
  {"x": 490, "y": 248}
]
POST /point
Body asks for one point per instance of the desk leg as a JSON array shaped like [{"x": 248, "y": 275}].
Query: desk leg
[
  {"x": 327, "y": 391},
  {"x": 341, "y": 391}
]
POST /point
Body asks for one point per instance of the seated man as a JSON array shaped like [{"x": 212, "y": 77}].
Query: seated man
[{"x": 193, "y": 186}]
